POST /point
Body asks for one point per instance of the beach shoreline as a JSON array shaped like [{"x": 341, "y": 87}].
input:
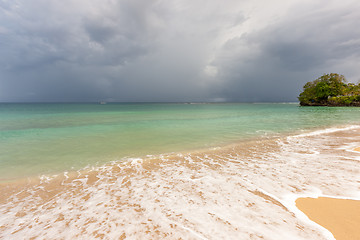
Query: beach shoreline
[
  {"x": 246, "y": 142},
  {"x": 180, "y": 195}
]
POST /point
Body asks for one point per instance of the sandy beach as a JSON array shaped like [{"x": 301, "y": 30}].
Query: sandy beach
[
  {"x": 245, "y": 190},
  {"x": 340, "y": 216}
]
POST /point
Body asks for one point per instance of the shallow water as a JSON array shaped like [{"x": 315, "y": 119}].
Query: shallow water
[
  {"x": 244, "y": 190},
  {"x": 52, "y": 138}
]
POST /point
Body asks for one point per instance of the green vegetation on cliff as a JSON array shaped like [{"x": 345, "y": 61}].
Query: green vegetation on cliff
[{"x": 330, "y": 90}]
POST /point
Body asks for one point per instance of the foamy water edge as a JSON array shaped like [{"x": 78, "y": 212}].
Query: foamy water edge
[{"x": 217, "y": 175}]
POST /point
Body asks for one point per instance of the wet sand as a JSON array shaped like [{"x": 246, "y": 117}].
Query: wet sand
[
  {"x": 239, "y": 191},
  {"x": 340, "y": 216}
]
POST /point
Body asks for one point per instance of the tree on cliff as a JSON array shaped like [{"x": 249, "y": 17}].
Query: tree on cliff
[{"x": 319, "y": 91}]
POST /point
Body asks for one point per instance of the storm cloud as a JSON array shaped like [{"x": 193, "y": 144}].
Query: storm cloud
[{"x": 153, "y": 50}]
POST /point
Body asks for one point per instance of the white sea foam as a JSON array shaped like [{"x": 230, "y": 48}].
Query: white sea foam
[
  {"x": 246, "y": 191},
  {"x": 327, "y": 130},
  {"x": 289, "y": 201}
]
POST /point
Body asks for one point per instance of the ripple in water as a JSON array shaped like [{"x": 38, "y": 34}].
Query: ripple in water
[{"x": 242, "y": 191}]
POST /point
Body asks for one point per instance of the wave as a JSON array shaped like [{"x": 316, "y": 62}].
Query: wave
[{"x": 245, "y": 190}]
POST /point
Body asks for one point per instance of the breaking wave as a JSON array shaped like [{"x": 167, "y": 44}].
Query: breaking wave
[{"x": 242, "y": 191}]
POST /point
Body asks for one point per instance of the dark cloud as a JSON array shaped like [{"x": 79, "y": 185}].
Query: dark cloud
[
  {"x": 149, "y": 50},
  {"x": 273, "y": 63}
]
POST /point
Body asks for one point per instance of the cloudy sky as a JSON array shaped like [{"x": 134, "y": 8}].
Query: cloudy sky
[{"x": 173, "y": 50}]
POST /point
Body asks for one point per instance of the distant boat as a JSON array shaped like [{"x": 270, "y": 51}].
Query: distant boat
[{"x": 102, "y": 102}]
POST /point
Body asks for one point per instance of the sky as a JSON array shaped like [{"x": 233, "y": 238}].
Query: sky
[{"x": 173, "y": 50}]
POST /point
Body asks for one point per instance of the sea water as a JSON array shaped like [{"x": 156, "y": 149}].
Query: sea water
[
  {"x": 172, "y": 171},
  {"x": 50, "y": 138}
]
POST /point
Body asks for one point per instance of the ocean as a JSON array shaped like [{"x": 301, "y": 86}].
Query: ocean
[{"x": 172, "y": 170}]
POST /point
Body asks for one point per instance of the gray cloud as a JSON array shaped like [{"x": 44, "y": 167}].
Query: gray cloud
[
  {"x": 273, "y": 63},
  {"x": 172, "y": 51}
]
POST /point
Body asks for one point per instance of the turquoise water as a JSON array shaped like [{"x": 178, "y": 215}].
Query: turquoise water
[{"x": 49, "y": 138}]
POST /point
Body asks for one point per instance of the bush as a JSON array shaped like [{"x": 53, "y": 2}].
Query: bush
[{"x": 329, "y": 89}]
